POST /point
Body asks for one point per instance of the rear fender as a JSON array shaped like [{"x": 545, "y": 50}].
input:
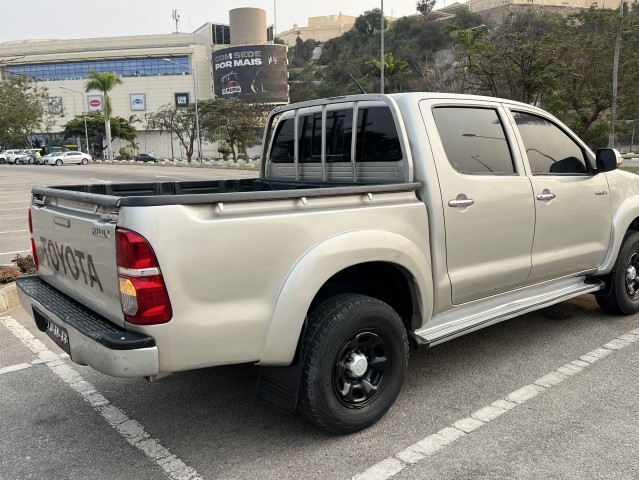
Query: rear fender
[{"x": 323, "y": 261}]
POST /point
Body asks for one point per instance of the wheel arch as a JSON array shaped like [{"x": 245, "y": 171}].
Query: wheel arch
[
  {"x": 332, "y": 267},
  {"x": 624, "y": 220}
]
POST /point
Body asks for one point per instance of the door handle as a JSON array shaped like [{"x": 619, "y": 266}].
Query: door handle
[
  {"x": 544, "y": 197},
  {"x": 467, "y": 202}
]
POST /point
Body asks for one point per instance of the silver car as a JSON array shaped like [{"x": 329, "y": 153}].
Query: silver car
[{"x": 71, "y": 156}]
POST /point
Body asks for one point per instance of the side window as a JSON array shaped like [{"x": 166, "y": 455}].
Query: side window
[
  {"x": 549, "y": 149},
  {"x": 474, "y": 140},
  {"x": 377, "y": 137},
  {"x": 284, "y": 142}
]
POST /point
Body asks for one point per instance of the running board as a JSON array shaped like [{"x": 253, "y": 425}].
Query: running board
[{"x": 448, "y": 331}]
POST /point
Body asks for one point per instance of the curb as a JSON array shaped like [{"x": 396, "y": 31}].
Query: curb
[{"x": 8, "y": 297}]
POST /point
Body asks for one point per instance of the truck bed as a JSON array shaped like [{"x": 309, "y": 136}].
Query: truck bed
[{"x": 210, "y": 191}]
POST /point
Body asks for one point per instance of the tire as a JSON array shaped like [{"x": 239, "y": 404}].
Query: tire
[
  {"x": 624, "y": 279},
  {"x": 347, "y": 329},
  {"x": 58, "y": 162},
  {"x": 84, "y": 161}
]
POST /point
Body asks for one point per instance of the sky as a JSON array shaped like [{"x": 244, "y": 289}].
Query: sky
[{"x": 60, "y": 19}]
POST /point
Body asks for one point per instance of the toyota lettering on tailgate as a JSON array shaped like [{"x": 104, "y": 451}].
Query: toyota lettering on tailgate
[{"x": 71, "y": 261}]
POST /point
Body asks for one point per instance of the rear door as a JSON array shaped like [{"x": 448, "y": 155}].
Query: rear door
[
  {"x": 486, "y": 196},
  {"x": 572, "y": 204}
]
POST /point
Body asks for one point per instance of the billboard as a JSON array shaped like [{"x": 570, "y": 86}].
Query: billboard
[
  {"x": 182, "y": 100},
  {"x": 254, "y": 73},
  {"x": 95, "y": 103},
  {"x": 138, "y": 101}
]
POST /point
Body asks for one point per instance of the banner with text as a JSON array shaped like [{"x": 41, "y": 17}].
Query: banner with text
[{"x": 254, "y": 73}]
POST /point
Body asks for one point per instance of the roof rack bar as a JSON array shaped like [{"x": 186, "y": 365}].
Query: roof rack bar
[
  {"x": 296, "y": 145},
  {"x": 354, "y": 132},
  {"x": 323, "y": 143}
]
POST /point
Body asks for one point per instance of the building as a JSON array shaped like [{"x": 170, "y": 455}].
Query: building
[
  {"x": 320, "y": 29},
  {"x": 156, "y": 70},
  {"x": 481, "y": 6}
]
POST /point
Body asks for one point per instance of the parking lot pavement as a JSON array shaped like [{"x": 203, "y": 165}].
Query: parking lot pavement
[{"x": 209, "y": 424}]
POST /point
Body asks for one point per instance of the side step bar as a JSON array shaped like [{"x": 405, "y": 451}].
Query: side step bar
[{"x": 429, "y": 337}]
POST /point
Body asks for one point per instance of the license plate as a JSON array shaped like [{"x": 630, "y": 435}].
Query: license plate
[{"x": 59, "y": 335}]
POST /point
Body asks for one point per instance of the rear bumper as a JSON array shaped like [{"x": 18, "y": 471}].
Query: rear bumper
[{"x": 93, "y": 340}]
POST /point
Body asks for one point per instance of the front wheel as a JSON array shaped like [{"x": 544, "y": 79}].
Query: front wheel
[
  {"x": 624, "y": 279},
  {"x": 84, "y": 161},
  {"x": 355, "y": 354},
  {"x": 58, "y": 162}
]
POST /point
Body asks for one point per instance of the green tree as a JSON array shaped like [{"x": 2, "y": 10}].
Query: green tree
[
  {"x": 233, "y": 123},
  {"x": 120, "y": 128},
  {"x": 584, "y": 90},
  {"x": 180, "y": 121},
  {"x": 369, "y": 22},
  {"x": 393, "y": 70},
  {"x": 425, "y": 6},
  {"x": 23, "y": 110},
  {"x": 104, "y": 82},
  {"x": 519, "y": 58}
]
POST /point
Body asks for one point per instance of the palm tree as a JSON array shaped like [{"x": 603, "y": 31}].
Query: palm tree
[{"x": 104, "y": 82}]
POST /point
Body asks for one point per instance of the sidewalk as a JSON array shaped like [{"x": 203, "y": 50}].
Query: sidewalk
[{"x": 8, "y": 297}]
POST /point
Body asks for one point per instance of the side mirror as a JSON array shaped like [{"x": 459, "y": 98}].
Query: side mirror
[{"x": 608, "y": 159}]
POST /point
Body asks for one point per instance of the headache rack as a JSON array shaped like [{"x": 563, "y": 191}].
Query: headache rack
[{"x": 355, "y": 101}]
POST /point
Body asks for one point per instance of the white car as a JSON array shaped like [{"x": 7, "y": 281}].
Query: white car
[
  {"x": 10, "y": 156},
  {"x": 69, "y": 157},
  {"x": 4, "y": 154}
]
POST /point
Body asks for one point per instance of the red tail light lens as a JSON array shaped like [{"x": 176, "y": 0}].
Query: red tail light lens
[
  {"x": 33, "y": 245},
  {"x": 143, "y": 295}
]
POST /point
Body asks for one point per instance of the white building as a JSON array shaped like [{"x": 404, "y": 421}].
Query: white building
[{"x": 156, "y": 70}]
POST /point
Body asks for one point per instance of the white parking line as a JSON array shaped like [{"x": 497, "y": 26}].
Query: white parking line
[
  {"x": 433, "y": 443},
  {"x": 128, "y": 428},
  {"x": 15, "y": 218},
  {"x": 7, "y": 209},
  {"x": 11, "y": 253},
  {"x": 22, "y": 366},
  {"x": 100, "y": 181},
  {"x": 14, "y": 231},
  {"x": 15, "y": 201}
]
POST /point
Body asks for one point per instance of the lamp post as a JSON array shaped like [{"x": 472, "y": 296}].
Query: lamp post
[
  {"x": 84, "y": 114},
  {"x": 197, "y": 113},
  {"x": 381, "y": 65}
]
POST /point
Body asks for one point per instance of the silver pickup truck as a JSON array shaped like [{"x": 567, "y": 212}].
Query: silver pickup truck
[{"x": 379, "y": 223}]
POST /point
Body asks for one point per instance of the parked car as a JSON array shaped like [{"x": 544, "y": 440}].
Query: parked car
[
  {"x": 27, "y": 156},
  {"x": 440, "y": 215},
  {"x": 71, "y": 156},
  {"x": 147, "y": 157},
  {"x": 17, "y": 156},
  {"x": 43, "y": 159},
  {"x": 4, "y": 155}
]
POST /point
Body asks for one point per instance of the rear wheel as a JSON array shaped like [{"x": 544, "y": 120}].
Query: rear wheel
[
  {"x": 355, "y": 355},
  {"x": 624, "y": 279}
]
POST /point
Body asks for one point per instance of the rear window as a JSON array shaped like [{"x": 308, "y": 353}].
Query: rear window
[{"x": 377, "y": 137}]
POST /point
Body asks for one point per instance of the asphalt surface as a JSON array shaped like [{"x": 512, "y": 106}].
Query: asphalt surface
[{"x": 209, "y": 424}]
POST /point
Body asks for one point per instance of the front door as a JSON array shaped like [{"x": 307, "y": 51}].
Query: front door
[{"x": 572, "y": 202}]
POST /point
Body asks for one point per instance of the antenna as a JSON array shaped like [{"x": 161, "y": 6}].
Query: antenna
[
  {"x": 176, "y": 19},
  {"x": 356, "y": 83}
]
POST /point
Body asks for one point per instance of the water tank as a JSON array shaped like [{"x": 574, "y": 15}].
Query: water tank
[{"x": 248, "y": 26}]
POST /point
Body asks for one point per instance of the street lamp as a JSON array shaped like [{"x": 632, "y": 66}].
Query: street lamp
[
  {"x": 84, "y": 114},
  {"x": 197, "y": 113},
  {"x": 382, "y": 63}
]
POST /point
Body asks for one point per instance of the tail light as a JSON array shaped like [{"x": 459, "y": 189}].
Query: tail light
[
  {"x": 33, "y": 245},
  {"x": 143, "y": 295}
]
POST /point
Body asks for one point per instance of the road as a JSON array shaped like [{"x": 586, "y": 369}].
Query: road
[
  {"x": 61, "y": 420},
  {"x": 16, "y": 182}
]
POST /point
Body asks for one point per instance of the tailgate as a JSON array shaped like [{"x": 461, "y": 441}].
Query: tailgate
[{"x": 75, "y": 245}]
